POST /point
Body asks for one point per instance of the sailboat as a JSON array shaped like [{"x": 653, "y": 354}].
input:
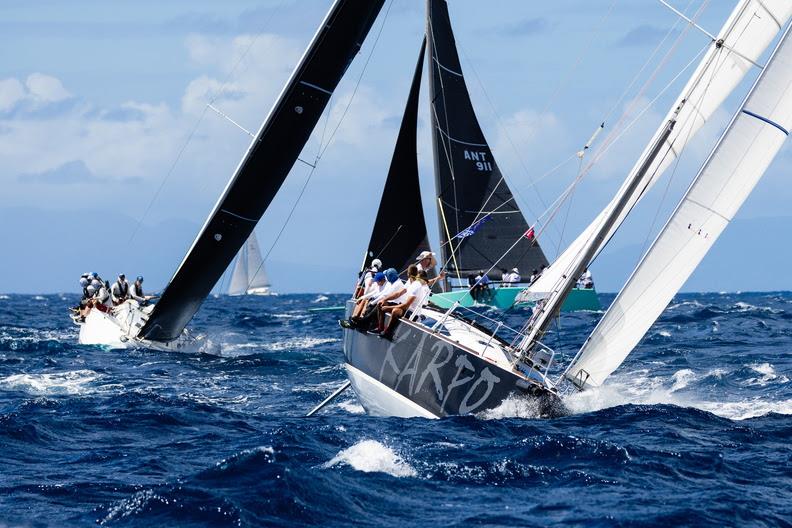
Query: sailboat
[
  {"x": 440, "y": 363},
  {"x": 249, "y": 276},
  {"x": 258, "y": 177}
]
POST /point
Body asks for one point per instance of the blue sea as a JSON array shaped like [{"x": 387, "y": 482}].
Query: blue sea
[{"x": 693, "y": 430}]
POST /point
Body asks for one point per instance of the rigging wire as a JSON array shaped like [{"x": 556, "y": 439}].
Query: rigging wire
[{"x": 198, "y": 122}]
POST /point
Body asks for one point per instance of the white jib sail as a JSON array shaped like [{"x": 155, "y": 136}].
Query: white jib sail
[
  {"x": 255, "y": 266},
  {"x": 746, "y": 34},
  {"x": 743, "y": 153},
  {"x": 239, "y": 277}
]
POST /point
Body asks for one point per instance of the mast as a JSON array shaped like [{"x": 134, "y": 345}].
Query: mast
[
  {"x": 547, "y": 310},
  {"x": 745, "y": 150},
  {"x": 399, "y": 232},
  {"x": 740, "y": 43},
  {"x": 265, "y": 166},
  {"x": 469, "y": 183}
]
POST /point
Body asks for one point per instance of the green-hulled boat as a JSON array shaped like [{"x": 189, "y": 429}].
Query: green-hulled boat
[{"x": 507, "y": 297}]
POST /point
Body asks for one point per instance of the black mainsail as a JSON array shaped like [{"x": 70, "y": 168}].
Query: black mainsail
[
  {"x": 265, "y": 166},
  {"x": 469, "y": 184},
  {"x": 399, "y": 233}
]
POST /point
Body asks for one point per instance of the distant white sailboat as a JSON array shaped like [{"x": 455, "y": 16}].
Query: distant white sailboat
[{"x": 249, "y": 276}]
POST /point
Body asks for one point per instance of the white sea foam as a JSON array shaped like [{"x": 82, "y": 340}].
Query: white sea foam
[
  {"x": 767, "y": 375},
  {"x": 69, "y": 382},
  {"x": 513, "y": 407},
  {"x": 320, "y": 298},
  {"x": 372, "y": 456},
  {"x": 299, "y": 343},
  {"x": 639, "y": 388},
  {"x": 352, "y": 407},
  {"x": 664, "y": 333},
  {"x": 695, "y": 304},
  {"x": 40, "y": 298}
]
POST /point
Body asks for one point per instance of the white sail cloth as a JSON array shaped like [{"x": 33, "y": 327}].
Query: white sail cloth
[
  {"x": 746, "y": 149},
  {"x": 746, "y": 34},
  {"x": 248, "y": 262}
]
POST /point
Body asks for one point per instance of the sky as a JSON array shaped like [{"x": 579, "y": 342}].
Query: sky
[{"x": 111, "y": 161}]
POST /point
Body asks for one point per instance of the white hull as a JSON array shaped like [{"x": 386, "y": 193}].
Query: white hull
[
  {"x": 119, "y": 329},
  {"x": 379, "y": 400}
]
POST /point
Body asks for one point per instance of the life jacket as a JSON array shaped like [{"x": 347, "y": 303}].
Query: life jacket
[{"x": 123, "y": 288}]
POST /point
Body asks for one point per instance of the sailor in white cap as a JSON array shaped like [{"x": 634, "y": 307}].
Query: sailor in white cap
[
  {"x": 514, "y": 276},
  {"x": 426, "y": 261}
]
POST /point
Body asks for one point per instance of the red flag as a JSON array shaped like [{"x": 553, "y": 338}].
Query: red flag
[{"x": 530, "y": 234}]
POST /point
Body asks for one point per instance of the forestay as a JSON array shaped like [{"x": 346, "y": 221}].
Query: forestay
[
  {"x": 744, "y": 37},
  {"x": 399, "y": 232},
  {"x": 738, "y": 161},
  {"x": 469, "y": 183},
  {"x": 265, "y": 166}
]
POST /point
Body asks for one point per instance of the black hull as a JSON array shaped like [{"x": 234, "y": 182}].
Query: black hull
[{"x": 437, "y": 375}]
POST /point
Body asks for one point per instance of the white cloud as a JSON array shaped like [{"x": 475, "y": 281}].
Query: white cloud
[
  {"x": 11, "y": 92},
  {"x": 46, "y": 89}
]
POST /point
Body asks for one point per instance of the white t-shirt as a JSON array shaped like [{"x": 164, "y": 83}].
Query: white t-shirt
[
  {"x": 514, "y": 277},
  {"x": 420, "y": 291},
  {"x": 373, "y": 289},
  {"x": 390, "y": 287}
]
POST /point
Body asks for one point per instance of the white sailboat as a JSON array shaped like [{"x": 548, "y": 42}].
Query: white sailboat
[{"x": 249, "y": 276}]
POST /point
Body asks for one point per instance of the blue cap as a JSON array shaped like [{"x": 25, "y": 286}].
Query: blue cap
[
  {"x": 392, "y": 275},
  {"x": 379, "y": 276},
  {"x": 140, "y": 278}
]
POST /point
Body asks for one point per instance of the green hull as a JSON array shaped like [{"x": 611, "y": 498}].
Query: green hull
[{"x": 504, "y": 298}]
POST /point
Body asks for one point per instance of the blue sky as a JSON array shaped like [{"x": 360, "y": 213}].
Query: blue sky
[{"x": 97, "y": 100}]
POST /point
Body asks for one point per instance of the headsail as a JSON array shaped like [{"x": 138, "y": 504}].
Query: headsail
[
  {"x": 249, "y": 270},
  {"x": 265, "y": 166},
  {"x": 399, "y": 232},
  {"x": 738, "y": 161},
  {"x": 750, "y": 28},
  {"x": 239, "y": 277},
  {"x": 469, "y": 183},
  {"x": 255, "y": 265}
]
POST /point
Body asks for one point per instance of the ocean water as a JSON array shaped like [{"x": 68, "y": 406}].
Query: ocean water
[{"x": 694, "y": 429}]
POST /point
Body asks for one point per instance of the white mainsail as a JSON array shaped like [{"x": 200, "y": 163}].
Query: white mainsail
[
  {"x": 750, "y": 28},
  {"x": 248, "y": 271},
  {"x": 743, "y": 153}
]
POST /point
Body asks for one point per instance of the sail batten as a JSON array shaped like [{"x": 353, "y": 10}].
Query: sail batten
[
  {"x": 265, "y": 166},
  {"x": 740, "y": 158},
  {"x": 740, "y": 43},
  {"x": 468, "y": 181}
]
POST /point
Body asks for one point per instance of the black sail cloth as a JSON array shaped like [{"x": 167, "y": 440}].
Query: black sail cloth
[
  {"x": 469, "y": 183},
  {"x": 265, "y": 166},
  {"x": 399, "y": 233}
]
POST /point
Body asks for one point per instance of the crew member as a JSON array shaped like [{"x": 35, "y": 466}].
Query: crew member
[
  {"x": 136, "y": 290},
  {"x": 120, "y": 290}
]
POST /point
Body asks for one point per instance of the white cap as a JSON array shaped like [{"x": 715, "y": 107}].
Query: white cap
[
  {"x": 91, "y": 289},
  {"x": 83, "y": 282},
  {"x": 515, "y": 270},
  {"x": 96, "y": 284},
  {"x": 377, "y": 263}
]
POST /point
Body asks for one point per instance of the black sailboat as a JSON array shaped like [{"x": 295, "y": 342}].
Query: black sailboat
[
  {"x": 435, "y": 364},
  {"x": 258, "y": 178}
]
